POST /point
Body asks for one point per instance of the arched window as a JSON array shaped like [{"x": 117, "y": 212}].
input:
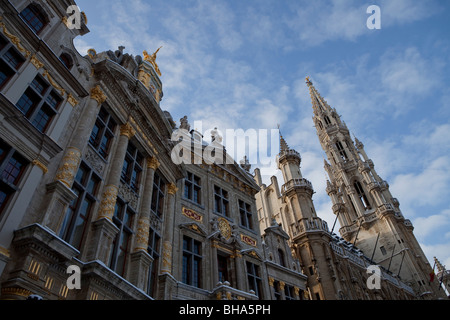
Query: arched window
[
  {"x": 34, "y": 17},
  {"x": 66, "y": 59},
  {"x": 361, "y": 195},
  {"x": 320, "y": 124},
  {"x": 327, "y": 120}
]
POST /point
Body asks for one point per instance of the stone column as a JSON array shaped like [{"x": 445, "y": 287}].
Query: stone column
[
  {"x": 107, "y": 206},
  {"x": 140, "y": 259},
  {"x": 239, "y": 265},
  {"x": 59, "y": 193},
  {"x": 72, "y": 158},
  {"x": 166, "y": 266},
  {"x": 104, "y": 230},
  {"x": 143, "y": 226}
]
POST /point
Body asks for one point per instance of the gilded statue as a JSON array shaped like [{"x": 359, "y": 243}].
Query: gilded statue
[{"x": 152, "y": 60}]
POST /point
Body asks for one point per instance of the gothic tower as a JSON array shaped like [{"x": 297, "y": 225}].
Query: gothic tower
[
  {"x": 369, "y": 216},
  {"x": 309, "y": 234}
]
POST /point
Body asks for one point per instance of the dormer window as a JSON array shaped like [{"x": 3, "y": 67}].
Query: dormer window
[
  {"x": 34, "y": 17},
  {"x": 66, "y": 59}
]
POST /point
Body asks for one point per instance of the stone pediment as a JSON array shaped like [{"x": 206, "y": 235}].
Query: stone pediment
[
  {"x": 252, "y": 253},
  {"x": 195, "y": 227}
]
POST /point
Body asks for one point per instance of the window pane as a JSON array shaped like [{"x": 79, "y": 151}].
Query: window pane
[
  {"x": 27, "y": 102},
  {"x": 34, "y": 18},
  {"x": 92, "y": 186},
  {"x": 53, "y": 100},
  {"x": 39, "y": 85},
  {"x": 5, "y": 192},
  {"x": 13, "y": 169},
  {"x": 43, "y": 118},
  {"x": 13, "y": 58}
]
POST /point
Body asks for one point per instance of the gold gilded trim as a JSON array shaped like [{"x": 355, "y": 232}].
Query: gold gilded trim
[
  {"x": 153, "y": 163},
  {"x": 127, "y": 130},
  {"x": 40, "y": 165},
  {"x": 98, "y": 95},
  {"x": 172, "y": 189}
]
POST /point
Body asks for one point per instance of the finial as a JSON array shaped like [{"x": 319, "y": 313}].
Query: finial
[{"x": 308, "y": 81}]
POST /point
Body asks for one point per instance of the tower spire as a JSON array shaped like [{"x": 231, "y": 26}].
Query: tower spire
[{"x": 362, "y": 200}]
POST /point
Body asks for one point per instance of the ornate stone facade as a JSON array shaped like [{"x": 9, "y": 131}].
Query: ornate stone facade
[{"x": 100, "y": 192}]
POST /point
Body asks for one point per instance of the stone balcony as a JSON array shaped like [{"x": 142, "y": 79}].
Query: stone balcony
[
  {"x": 385, "y": 209},
  {"x": 309, "y": 225},
  {"x": 297, "y": 183}
]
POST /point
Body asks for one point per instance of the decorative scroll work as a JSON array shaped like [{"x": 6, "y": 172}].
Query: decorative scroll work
[
  {"x": 127, "y": 130},
  {"x": 172, "y": 189},
  {"x": 98, "y": 95},
  {"x": 14, "y": 40}
]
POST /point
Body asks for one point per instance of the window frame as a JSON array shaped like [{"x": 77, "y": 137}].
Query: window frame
[
  {"x": 254, "y": 278},
  {"x": 41, "y": 102},
  {"x": 158, "y": 195},
  {"x": 117, "y": 248},
  {"x": 221, "y": 198},
  {"x": 9, "y": 47},
  {"x": 192, "y": 262},
  {"x": 38, "y": 13},
  {"x": 7, "y": 187},
  {"x": 245, "y": 215},
  {"x": 154, "y": 250},
  {"x": 80, "y": 187},
  {"x": 193, "y": 188},
  {"x": 135, "y": 161},
  {"x": 106, "y": 127}
]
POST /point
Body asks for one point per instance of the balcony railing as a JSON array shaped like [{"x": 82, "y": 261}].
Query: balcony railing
[{"x": 296, "y": 183}]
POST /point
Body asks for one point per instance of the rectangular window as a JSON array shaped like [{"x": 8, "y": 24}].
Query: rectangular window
[
  {"x": 103, "y": 133},
  {"x": 192, "y": 188},
  {"x": 222, "y": 268},
  {"x": 254, "y": 279},
  {"x": 10, "y": 61},
  {"x": 132, "y": 167},
  {"x": 289, "y": 292},
  {"x": 192, "y": 260},
  {"x": 245, "y": 215},
  {"x": 39, "y": 103},
  {"x": 154, "y": 240},
  {"x": 12, "y": 167},
  {"x": 221, "y": 201},
  {"x": 157, "y": 206},
  {"x": 123, "y": 219},
  {"x": 75, "y": 222},
  {"x": 341, "y": 150}
]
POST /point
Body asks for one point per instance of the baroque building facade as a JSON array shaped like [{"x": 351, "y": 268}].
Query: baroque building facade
[{"x": 88, "y": 181}]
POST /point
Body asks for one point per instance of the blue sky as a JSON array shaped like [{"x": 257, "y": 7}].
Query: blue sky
[{"x": 242, "y": 64}]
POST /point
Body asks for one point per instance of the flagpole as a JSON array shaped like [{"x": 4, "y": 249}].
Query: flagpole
[
  {"x": 374, "y": 248},
  {"x": 335, "y": 220},
  {"x": 357, "y": 233},
  {"x": 390, "y": 260}
]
